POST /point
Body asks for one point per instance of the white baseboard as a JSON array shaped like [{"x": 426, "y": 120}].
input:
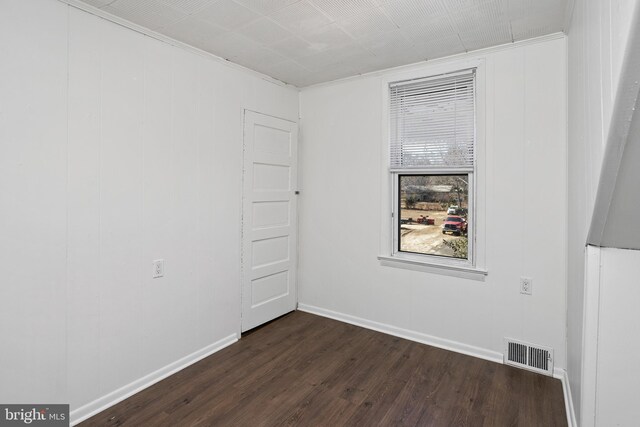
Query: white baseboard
[
  {"x": 561, "y": 374},
  {"x": 458, "y": 347},
  {"x": 445, "y": 344},
  {"x": 108, "y": 400}
]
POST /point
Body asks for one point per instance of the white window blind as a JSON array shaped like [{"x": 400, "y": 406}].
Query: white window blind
[{"x": 433, "y": 122}]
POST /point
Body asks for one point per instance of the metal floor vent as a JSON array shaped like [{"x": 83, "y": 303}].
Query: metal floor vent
[{"x": 528, "y": 356}]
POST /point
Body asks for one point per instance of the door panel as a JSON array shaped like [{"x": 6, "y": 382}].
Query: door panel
[
  {"x": 269, "y": 287},
  {"x": 269, "y": 219},
  {"x": 271, "y": 177},
  {"x": 270, "y": 214}
]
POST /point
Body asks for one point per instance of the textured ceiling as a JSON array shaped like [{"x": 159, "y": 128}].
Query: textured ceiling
[{"x": 303, "y": 42}]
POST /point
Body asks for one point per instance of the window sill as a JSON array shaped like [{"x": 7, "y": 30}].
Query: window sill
[{"x": 461, "y": 271}]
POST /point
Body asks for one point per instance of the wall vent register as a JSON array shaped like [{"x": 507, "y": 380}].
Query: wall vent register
[{"x": 532, "y": 357}]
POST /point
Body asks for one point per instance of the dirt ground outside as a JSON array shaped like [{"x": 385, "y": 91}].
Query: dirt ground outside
[{"x": 425, "y": 238}]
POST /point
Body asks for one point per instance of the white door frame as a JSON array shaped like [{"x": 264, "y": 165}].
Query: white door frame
[{"x": 278, "y": 276}]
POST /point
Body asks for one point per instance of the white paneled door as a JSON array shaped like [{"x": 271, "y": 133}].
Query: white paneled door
[{"x": 269, "y": 219}]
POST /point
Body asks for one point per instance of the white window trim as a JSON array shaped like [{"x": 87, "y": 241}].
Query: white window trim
[{"x": 475, "y": 267}]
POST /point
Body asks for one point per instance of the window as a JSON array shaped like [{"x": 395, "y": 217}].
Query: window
[{"x": 432, "y": 165}]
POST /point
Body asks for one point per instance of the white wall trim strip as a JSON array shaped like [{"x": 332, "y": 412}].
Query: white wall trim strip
[
  {"x": 590, "y": 336},
  {"x": 110, "y": 399},
  {"x": 458, "y": 347},
  {"x": 561, "y": 374}
]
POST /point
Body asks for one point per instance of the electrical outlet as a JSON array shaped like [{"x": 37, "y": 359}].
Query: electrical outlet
[
  {"x": 526, "y": 285},
  {"x": 158, "y": 268}
]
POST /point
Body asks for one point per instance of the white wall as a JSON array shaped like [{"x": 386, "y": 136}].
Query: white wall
[
  {"x": 340, "y": 218},
  {"x": 33, "y": 201},
  {"x": 618, "y": 375},
  {"x": 597, "y": 38},
  {"x": 115, "y": 149}
]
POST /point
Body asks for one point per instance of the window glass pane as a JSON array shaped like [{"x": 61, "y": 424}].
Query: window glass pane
[{"x": 433, "y": 214}]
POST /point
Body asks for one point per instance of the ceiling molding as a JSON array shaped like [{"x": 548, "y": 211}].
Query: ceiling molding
[
  {"x": 459, "y": 56},
  {"x": 307, "y": 42},
  {"x": 165, "y": 39}
]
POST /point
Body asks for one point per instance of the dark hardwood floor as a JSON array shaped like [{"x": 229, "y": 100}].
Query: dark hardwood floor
[{"x": 311, "y": 371}]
